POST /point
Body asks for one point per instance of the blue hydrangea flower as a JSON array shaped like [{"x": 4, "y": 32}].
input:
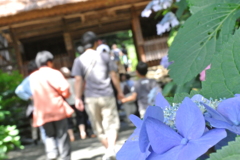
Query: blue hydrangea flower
[
  {"x": 156, "y": 5},
  {"x": 148, "y": 10},
  {"x": 191, "y": 140},
  {"x": 165, "y": 62},
  {"x": 170, "y": 111},
  {"x": 137, "y": 145},
  {"x": 227, "y": 115},
  {"x": 169, "y": 21}
]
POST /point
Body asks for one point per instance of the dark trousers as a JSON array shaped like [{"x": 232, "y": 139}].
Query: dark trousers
[
  {"x": 57, "y": 141},
  {"x": 80, "y": 117}
]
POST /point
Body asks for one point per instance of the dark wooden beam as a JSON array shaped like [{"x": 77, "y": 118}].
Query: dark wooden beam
[
  {"x": 62, "y": 27},
  {"x": 38, "y": 26},
  {"x": 17, "y": 52},
  {"x": 40, "y": 37},
  {"x": 104, "y": 28},
  {"x": 103, "y": 21},
  {"x": 41, "y": 32},
  {"x": 137, "y": 33},
  {"x": 69, "y": 45},
  {"x": 79, "y": 14}
]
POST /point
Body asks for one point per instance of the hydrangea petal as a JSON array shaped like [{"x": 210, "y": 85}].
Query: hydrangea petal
[
  {"x": 147, "y": 10},
  {"x": 157, "y": 8},
  {"x": 172, "y": 154},
  {"x": 154, "y": 112},
  {"x": 135, "y": 120},
  {"x": 196, "y": 148},
  {"x": 218, "y": 123},
  {"x": 237, "y": 95},
  {"x": 161, "y": 137},
  {"x": 224, "y": 142},
  {"x": 213, "y": 113},
  {"x": 134, "y": 136},
  {"x": 133, "y": 145},
  {"x": 230, "y": 109},
  {"x": 221, "y": 124},
  {"x": 160, "y": 101},
  {"x": 190, "y": 122},
  {"x": 199, "y": 98},
  {"x": 235, "y": 129},
  {"x": 144, "y": 140},
  {"x": 130, "y": 151}
]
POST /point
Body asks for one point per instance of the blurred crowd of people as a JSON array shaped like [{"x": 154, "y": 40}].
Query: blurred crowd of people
[{"x": 91, "y": 91}]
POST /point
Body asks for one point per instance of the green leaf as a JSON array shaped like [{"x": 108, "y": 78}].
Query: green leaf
[
  {"x": 193, "y": 92},
  {"x": 200, "y": 38},
  {"x": 168, "y": 88},
  {"x": 223, "y": 79},
  {"x": 198, "y": 5},
  {"x": 7, "y": 139},
  {"x": 14, "y": 132},
  {"x": 17, "y": 138},
  {"x": 182, "y": 6},
  {"x": 178, "y": 97},
  {"x": 169, "y": 99},
  {"x": 230, "y": 152}
]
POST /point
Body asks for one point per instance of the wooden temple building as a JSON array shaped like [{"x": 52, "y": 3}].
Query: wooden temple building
[{"x": 29, "y": 26}]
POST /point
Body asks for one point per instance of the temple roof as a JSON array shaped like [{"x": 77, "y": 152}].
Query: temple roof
[
  {"x": 21, "y": 11},
  {"x": 12, "y": 7}
]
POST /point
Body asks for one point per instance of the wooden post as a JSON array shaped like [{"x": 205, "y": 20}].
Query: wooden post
[
  {"x": 69, "y": 45},
  {"x": 68, "y": 41},
  {"x": 138, "y": 38},
  {"x": 16, "y": 45}
]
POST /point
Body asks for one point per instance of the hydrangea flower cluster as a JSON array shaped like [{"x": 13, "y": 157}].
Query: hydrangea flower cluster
[
  {"x": 170, "y": 112},
  {"x": 226, "y": 115},
  {"x": 170, "y": 115},
  {"x": 169, "y": 20},
  {"x": 179, "y": 132}
]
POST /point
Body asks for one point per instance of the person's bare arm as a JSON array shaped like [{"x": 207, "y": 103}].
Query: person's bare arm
[
  {"x": 130, "y": 98},
  {"x": 116, "y": 84},
  {"x": 78, "y": 93}
]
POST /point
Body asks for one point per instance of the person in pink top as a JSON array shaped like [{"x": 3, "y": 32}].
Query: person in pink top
[{"x": 49, "y": 89}]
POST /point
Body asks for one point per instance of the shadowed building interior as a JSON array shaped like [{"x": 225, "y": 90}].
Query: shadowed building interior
[{"x": 30, "y": 26}]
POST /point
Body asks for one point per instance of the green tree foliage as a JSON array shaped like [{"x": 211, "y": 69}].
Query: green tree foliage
[
  {"x": 10, "y": 102},
  {"x": 9, "y": 138},
  {"x": 10, "y": 112}
]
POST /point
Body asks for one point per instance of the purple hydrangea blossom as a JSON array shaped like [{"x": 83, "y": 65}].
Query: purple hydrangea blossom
[
  {"x": 169, "y": 21},
  {"x": 161, "y": 102},
  {"x": 148, "y": 10},
  {"x": 170, "y": 111},
  {"x": 161, "y": 4},
  {"x": 191, "y": 140},
  {"x": 137, "y": 145},
  {"x": 165, "y": 62},
  {"x": 227, "y": 115},
  {"x": 156, "y": 5}
]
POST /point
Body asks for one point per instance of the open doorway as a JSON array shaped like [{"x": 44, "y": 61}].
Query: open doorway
[{"x": 119, "y": 38}]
